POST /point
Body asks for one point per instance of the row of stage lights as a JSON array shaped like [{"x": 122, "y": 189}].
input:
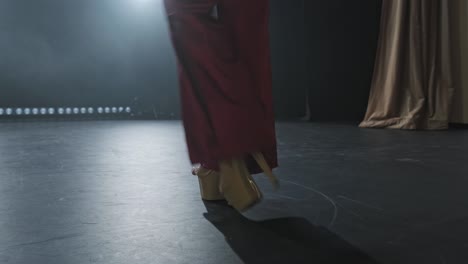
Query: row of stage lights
[{"x": 64, "y": 111}]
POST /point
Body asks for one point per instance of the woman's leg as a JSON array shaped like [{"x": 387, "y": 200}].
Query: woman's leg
[{"x": 225, "y": 76}]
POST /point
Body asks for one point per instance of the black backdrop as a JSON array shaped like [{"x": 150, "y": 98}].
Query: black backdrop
[
  {"x": 342, "y": 40},
  {"x": 107, "y": 52}
]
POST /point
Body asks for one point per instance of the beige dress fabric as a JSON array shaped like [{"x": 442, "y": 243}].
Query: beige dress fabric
[{"x": 412, "y": 84}]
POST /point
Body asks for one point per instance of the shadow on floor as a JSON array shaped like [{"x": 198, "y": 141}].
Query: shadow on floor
[{"x": 285, "y": 240}]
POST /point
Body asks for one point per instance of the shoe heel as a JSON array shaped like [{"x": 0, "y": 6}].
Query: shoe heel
[{"x": 209, "y": 182}]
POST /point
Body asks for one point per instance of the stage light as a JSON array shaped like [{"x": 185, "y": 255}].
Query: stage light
[{"x": 65, "y": 110}]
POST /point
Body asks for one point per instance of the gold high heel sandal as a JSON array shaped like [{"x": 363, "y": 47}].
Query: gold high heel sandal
[
  {"x": 238, "y": 186},
  {"x": 209, "y": 184}
]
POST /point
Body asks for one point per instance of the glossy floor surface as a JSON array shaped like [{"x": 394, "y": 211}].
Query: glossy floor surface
[{"x": 121, "y": 192}]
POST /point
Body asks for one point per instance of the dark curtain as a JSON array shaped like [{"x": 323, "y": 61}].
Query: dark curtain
[
  {"x": 341, "y": 37},
  {"x": 459, "y": 29}
]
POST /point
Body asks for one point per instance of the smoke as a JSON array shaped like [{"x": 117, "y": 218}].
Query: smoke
[
  {"x": 67, "y": 51},
  {"x": 25, "y": 55}
]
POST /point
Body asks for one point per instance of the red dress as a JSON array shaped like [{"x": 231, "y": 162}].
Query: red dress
[{"x": 223, "y": 52}]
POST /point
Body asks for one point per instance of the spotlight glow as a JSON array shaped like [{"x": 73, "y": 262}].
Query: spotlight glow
[
  {"x": 43, "y": 111},
  {"x": 68, "y": 111},
  {"x": 107, "y": 110},
  {"x": 76, "y": 110},
  {"x": 141, "y": 5},
  {"x": 90, "y": 110},
  {"x": 9, "y": 111},
  {"x": 83, "y": 110},
  {"x": 19, "y": 111},
  {"x": 100, "y": 110},
  {"x": 121, "y": 109},
  {"x": 114, "y": 110},
  {"x": 2, "y": 111},
  {"x": 27, "y": 111},
  {"x": 128, "y": 110},
  {"x": 61, "y": 111},
  {"x": 51, "y": 111},
  {"x": 35, "y": 111}
]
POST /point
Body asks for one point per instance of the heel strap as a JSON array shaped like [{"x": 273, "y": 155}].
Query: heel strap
[{"x": 260, "y": 159}]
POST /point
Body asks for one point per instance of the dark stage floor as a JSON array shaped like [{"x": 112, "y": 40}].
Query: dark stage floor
[{"x": 121, "y": 192}]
